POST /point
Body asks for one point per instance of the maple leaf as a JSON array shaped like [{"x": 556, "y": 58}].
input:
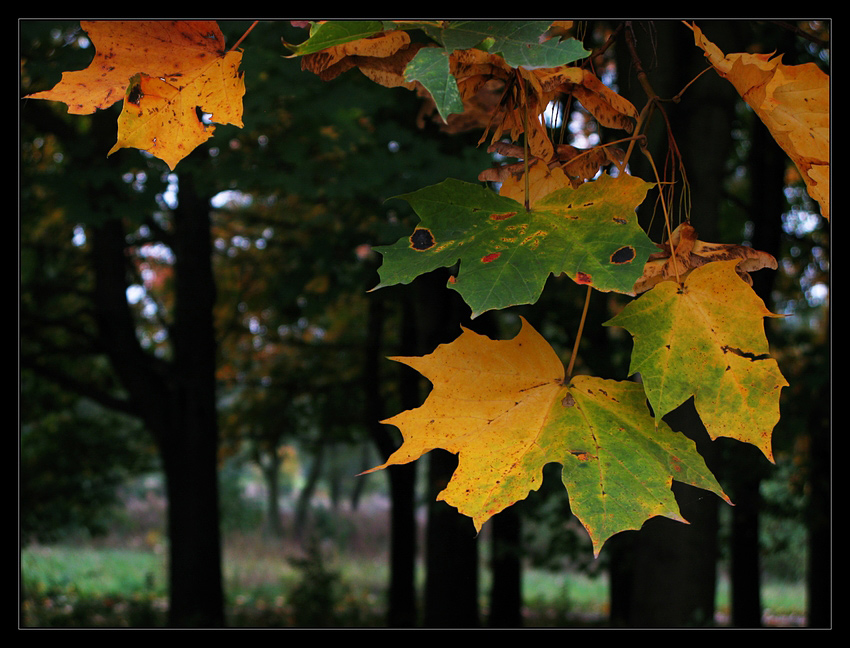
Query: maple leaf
[
  {"x": 791, "y": 100},
  {"x": 706, "y": 339},
  {"x": 166, "y": 71},
  {"x": 503, "y": 408},
  {"x": 506, "y": 252}
]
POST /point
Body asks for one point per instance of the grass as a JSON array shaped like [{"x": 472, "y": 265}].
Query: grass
[
  {"x": 121, "y": 581},
  {"x": 79, "y": 586}
]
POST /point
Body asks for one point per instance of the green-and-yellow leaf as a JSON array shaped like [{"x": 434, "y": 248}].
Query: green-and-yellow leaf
[{"x": 706, "y": 339}]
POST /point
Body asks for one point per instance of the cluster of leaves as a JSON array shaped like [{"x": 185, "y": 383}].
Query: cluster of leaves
[{"x": 508, "y": 407}]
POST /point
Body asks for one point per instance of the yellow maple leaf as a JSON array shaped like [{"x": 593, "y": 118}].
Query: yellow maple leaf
[
  {"x": 791, "y": 100},
  {"x": 165, "y": 70},
  {"x": 502, "y": 406}
]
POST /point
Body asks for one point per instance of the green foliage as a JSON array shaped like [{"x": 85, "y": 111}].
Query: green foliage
[
  {"x": 508, "y": 252},
  {"x": 317, "y": 599},
  {"x": 73, "y": 459}
]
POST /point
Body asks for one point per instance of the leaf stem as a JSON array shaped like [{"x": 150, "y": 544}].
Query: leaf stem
[
  {"x": 648, "y": 156},
  {"x": 248, "y": 31},
  {"x": 578, "y": 335}
]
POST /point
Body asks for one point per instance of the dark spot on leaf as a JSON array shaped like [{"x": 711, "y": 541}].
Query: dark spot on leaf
[
  {"x": 568, "y": 400},
  {"x": 624, "y": 255},
  {"x": 135, "y": 95},
  {"x": 421, "y": 239},
  {"x": 583, "y": 278},
  {"x": 491, "y": 257},
  {"x": 620, "y": 221}
]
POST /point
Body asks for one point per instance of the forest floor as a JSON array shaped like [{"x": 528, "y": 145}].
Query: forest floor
[{"x": 119, "y": 580}]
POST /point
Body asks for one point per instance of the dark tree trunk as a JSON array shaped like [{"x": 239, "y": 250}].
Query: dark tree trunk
[
  {"x": 190, "y": 448},
  {"x": 665, "y": 575},
  {"x": 451, "y": 549},
  {"x": 451, "y": 562},
  {"x": 401, "y": 604},
  {"x": 176, "y": 400},
  {"x": 506, "y": 592}
]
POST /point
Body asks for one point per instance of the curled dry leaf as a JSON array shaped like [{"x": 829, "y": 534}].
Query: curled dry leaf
[
  {"x": 791, "y": 100},
  {"x": 569, "y": 167},
  {"x": 381, "y": 57},
  {"x": 684, "y": 252}
]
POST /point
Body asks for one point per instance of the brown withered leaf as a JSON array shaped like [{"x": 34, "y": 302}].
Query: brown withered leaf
[
  {"x": 515, "y": 99},
  {"x": 684, "y": 252},
  {"x": 570, "y": 167},
  {"x": 366, "y": 54},
  {"x": 543, "y": 179}
]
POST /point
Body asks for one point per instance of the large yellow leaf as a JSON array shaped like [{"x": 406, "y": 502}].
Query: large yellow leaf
[
  {"x": 503, "y": 408},
  {"x": 791, "y": 100},
  {"x": 706, "y": 339},
  {"x": 166, "y": 71}
]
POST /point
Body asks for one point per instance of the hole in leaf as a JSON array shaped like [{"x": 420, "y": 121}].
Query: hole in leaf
[{"x": 135, "y": 95}]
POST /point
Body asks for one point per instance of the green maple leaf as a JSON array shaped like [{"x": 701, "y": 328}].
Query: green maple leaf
[
  {"x": 506, "y": 252},
  {"x": 706, "y": 339},
  {"x": 335, "y": 32},
  {"x": 517, "y": 41},
  {"x": 431, "y": 68}
]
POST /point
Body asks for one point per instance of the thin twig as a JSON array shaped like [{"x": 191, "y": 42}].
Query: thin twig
[
  {"x": 578, "y": 335},
  {"x": 248, "y": 31}
]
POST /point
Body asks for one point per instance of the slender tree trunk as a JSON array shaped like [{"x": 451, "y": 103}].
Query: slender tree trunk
[
  {"x": 506, "y": 592},
  {"x": 271, "y": 473},
  {"x": 451, "y": 563},
  {"x": 401, "y": 604},
  {"x": 302, "y": 507}
]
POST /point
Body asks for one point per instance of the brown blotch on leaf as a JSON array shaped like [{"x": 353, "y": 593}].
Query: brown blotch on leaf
[
  {"x": 421, "y": 239},
  {"x": 490, "y": 257},
  {"x": 135, "y": 95},
  {"x": 625, "y": 254},
  {"x": 583, "y": 278},
  {"x": 501, "y": 217}
]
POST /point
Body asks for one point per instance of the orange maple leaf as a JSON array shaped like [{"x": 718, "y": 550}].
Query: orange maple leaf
[
  {"x": 791, "y": 100},
  {"x": 165, "y": 70}
]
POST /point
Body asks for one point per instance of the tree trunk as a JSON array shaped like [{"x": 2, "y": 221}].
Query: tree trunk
[
  {"x": 451, "y": 563},
  {"x": 190, "y": 446},
  {"x": 506, "y": 592},
  {"x": 176, "y": 400},
  {"x": 271, "y": 473},
  {"x": 401, "y": 604},
  {"x": 669, "y": 578}
]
